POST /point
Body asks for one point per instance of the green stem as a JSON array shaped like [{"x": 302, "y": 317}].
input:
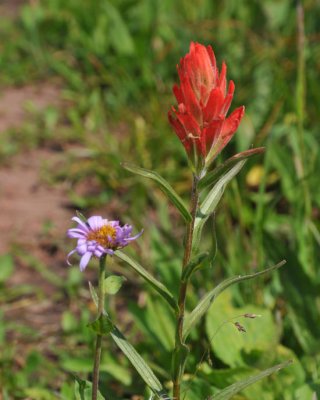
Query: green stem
[
  {"x": 178, "y": 372},
  {"x": 97, "y": 353}
]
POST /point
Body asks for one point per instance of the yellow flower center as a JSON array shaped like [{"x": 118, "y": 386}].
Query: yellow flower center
[{"x": 105, "y": 236}]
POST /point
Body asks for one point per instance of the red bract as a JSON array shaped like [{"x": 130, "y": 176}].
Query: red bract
[{"x": 203, "y": 102}]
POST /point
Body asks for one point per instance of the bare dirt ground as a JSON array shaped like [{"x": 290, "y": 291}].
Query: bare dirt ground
[
  {"x": 26, "y": 202},
  {"x": 34, "y": 219},
  {"x": 9, "y": 8},
  {"x": 13, "y": 103}
]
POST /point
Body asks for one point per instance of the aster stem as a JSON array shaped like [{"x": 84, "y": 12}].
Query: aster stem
[
  {"x": 97, "y": 353},
  {"x": 180, "y": 349}
]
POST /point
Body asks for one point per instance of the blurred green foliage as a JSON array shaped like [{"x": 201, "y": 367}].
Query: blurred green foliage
[{"x": 115, "y": 63}]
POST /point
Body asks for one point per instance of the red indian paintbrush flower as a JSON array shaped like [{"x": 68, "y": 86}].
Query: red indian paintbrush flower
[{"x": 203, "y": 101}]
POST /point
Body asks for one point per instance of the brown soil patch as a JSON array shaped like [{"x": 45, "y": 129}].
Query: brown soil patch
[
  {"x": 14, "y": 101},
  {"x": 10, "y": 8},
  {"x": 27, "y": 205},
  {"x": 33, "y": 223}
]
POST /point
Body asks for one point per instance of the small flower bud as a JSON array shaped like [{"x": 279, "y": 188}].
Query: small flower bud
[{"x": 252, "y": 316}]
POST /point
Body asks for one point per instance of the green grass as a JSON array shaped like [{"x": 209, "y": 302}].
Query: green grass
[{"x": 115, "y": 62}]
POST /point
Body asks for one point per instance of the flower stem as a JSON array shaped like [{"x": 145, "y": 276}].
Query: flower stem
[
  {"x": 178, "y": 372},
  {"x": 97, "y": 353}
]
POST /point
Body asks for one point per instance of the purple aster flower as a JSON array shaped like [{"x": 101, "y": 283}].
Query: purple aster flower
[{"x": 98, "y": 237}]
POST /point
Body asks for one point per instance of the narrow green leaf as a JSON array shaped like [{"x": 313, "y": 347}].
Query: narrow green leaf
[
  {"x": 113, "y": 283},
  {"x": 164, "y": 186},
  {"x": 81, "y": 216},
  {"x": 134, "y": 357},
  {"x": 192, "y": 265},
  {"x": 139, "y": 364},
  {"x": 212, "y": 177},
  {"x": 158, "y": 286},
  {"x": 194, "y": 317},
  {"x": 231, "y": 390},
  {"x": 102, "y": 325},
  {"x": 211, "y": 201},
  {"x": 119, "y": 34}
]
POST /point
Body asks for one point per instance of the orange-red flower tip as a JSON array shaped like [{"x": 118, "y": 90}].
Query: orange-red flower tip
[{"x": 204, "y": 99}]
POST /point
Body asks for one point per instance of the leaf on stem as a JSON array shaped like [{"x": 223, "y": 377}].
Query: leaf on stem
[
  {"x": 212, "y": 177},
  {"x": 113, "y": 283},
  {"x": 209, "y": 204},
  {"x": 102, "y": 325},
  {"x": 164, "y": 186},
  {"x": 158, "y": 286},
  {"x": 231, "y": 390},
  {"x": 139, "y": 364},
  {"x": 194, "y": 317},
  {"x": 130, "y": 352},
  {"x": 179, "y": 359},
  {"x": 193, "y": 265},
  {"x": 81, "y": 216}
]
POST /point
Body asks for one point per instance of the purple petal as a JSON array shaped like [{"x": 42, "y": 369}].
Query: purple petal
[
  {"x": 127, "y": 228},
  {"x": 91, "y": 247},
  {"x": 85, "y": 260},
  {"x": 113, "y": 223},
  {"x": 80, "y": 229},
  {"x": 98, "y": 252},
  {"x": 110, "y": 238},
  {"x": 82, "y": 248},
  {"x": 69, "y": 255},
  {"x": 130, "y": 239},
  {"x": 99, "y": 247},
  {"x": 76, "y": 233},
  {"x": 95, "y": 222},
  {"x": 81, "y": 223}
]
